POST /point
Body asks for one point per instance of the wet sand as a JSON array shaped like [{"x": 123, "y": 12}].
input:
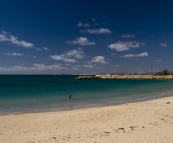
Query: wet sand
[{"x": 141, "y": 122}]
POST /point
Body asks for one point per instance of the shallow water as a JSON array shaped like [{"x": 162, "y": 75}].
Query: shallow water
[{"x": 34, "y": 93}]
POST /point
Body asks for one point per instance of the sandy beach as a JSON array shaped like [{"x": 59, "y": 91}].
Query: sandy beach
[{"x": 149, "y": 121}]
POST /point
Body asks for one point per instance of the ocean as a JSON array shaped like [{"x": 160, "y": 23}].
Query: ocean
[{"x": 39, "y": 93}]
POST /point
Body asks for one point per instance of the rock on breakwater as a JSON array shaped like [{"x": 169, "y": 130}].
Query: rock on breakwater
[{"x": 87, "y": 77}]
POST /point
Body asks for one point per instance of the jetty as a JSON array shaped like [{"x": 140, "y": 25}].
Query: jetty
[{"x": 128, "y": 76}]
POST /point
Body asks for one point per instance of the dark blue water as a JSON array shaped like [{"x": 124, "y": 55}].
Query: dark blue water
[{"x": 34, "y": 93}]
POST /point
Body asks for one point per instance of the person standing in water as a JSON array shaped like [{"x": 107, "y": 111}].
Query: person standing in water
[{"x": 69, "y": 97}]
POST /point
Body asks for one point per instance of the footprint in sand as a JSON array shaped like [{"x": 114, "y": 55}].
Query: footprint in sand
[
  {"x": 133, "y": 127},
  {"x": 121, "y": 129},
  {"x": 107, "y": 132},
  {"x": 168, "y": 102}
]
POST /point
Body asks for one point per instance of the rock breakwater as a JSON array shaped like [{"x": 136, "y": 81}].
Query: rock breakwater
[{"x": 127, "y": 76}]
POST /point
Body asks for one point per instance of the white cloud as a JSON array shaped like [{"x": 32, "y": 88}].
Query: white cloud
[
  {"x": 158, "y": 60},
  {"x": 45, "y": 48},
  {"x": 34, "y": 56},
  {"x": 123, "y": 46},
  {"x": 99, "y": 59},
  {"x": 14, "y": 54},
  {"x": 76, "y": 53},
  {"x": 89, "y": 66},
  {"x": 86, "y": 25},
  {"x": 145, "y": 54},
  {"x": 3, "y": 37},
  {"x": 15, "y": 40},
  {"x": 128, "y": 35},
  {"x": 97, "y": 31},
  {"x": 69, "y": 56},
  {"x": 6, "y": 37},
  {"x": 163, "y": 44},
  {"x": 81, "y": 41}
]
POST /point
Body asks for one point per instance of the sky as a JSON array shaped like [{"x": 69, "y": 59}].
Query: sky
[{"x": 85, "y": 37}]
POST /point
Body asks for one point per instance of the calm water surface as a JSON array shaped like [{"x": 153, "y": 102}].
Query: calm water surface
[{"x": 34, "y": 93}]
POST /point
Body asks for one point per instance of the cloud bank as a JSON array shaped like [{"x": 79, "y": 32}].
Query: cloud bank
[{"x": 33, "y": 68}]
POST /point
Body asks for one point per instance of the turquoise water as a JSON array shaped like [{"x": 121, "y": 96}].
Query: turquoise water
[{"x": 35, "y": 93}]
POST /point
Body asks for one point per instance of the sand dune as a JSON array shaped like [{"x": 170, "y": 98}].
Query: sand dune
[{"x": 142, "y": 122}]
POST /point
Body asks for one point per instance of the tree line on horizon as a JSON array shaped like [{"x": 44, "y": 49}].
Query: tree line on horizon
[{"x": 164, "y": 72}]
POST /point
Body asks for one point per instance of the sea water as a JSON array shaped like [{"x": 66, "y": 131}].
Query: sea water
[{"x": 38, "y": 93}]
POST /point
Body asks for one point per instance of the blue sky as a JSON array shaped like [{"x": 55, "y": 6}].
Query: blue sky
[{"x": 65, "y": 36}]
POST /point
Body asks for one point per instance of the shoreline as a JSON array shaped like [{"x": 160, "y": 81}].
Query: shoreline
[{"x": 148, "y": 121}]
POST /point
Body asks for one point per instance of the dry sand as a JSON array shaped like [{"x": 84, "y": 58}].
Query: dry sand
[{"x": 142, "y": 122}]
